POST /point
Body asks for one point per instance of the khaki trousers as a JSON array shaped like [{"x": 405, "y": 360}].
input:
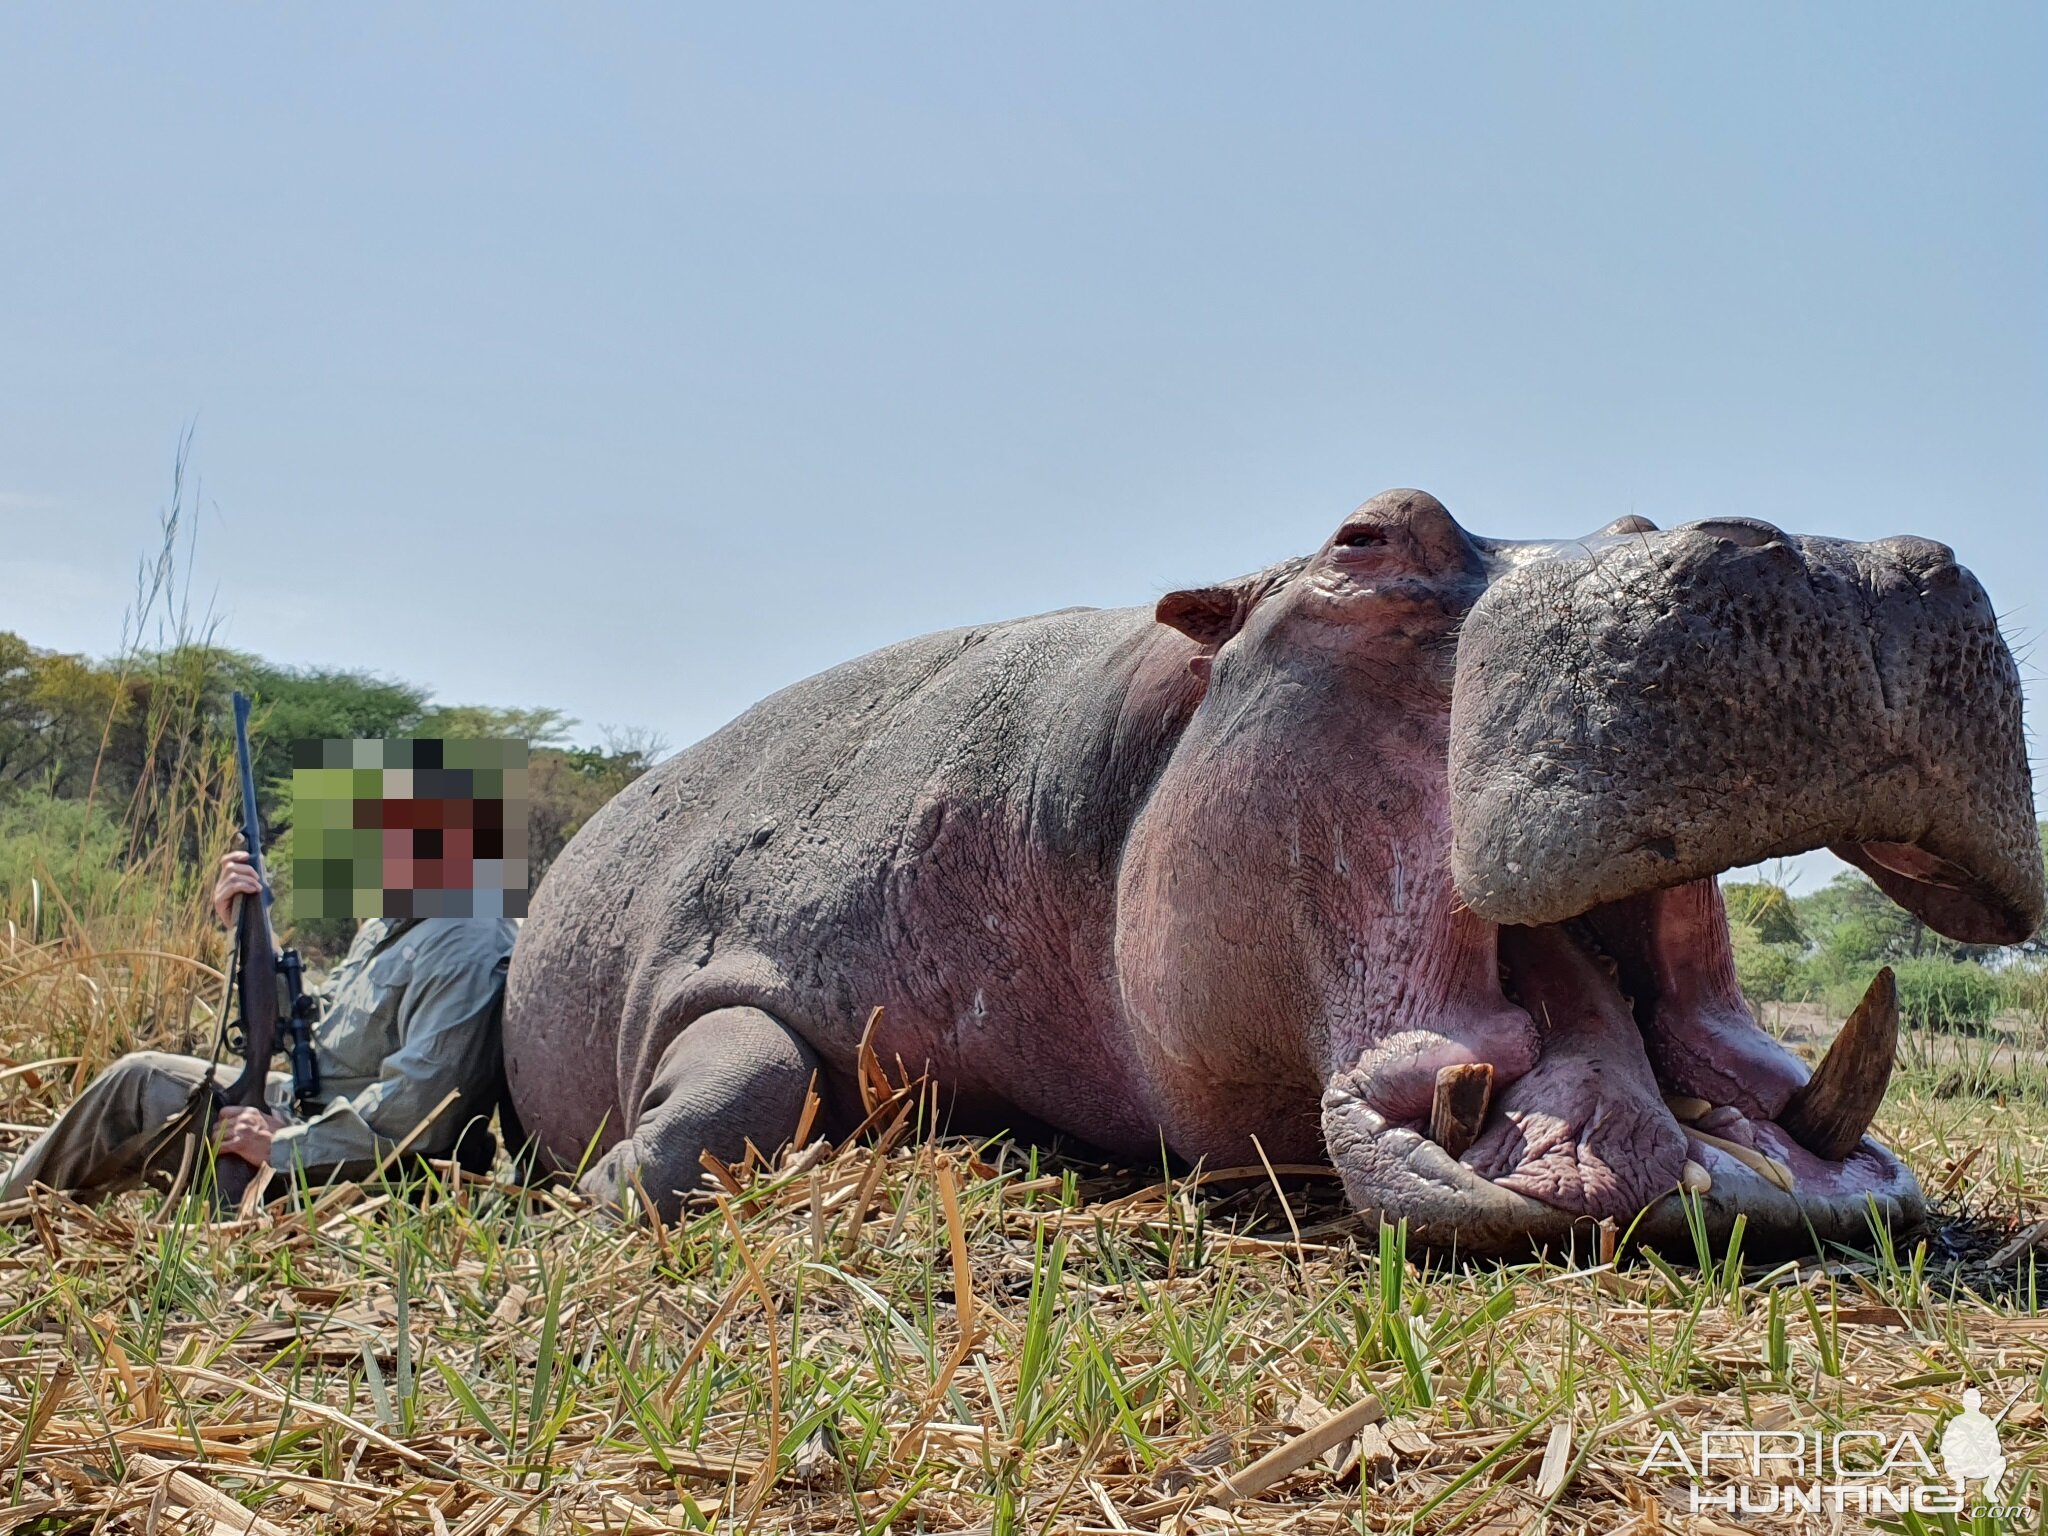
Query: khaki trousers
[{"x": 142, "y": 1092}]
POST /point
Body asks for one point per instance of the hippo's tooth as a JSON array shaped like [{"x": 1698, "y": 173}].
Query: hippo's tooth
[
  {"x": 1457, "y": 1112},
  {"x": 1769, "y": 1169},
  {"x": 1695, "y": 1178},
  {"x": 1684, "y": 1106},
  {"x": 1830, "y": 1114}
]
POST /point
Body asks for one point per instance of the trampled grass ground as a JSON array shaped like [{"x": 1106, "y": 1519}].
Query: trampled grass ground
[{"x": 914, "y": 1334}]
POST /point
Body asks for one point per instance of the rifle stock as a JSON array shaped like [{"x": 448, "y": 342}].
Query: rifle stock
[{"x": 256, "y": 997}]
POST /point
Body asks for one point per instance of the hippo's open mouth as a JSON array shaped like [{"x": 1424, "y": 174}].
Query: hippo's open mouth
[{"x": 1651, "y": 1081}]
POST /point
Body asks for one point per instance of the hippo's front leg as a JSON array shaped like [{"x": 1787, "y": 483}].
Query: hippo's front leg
[{"x": 732, "y": 1076}]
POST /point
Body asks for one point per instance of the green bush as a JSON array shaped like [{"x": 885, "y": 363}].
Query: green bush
[
  {"x": 55, "y": 854},
  {"x": 2026, "y": 991},
  {"x": 1769, "y": 972},
  {"x": 1947, "y": 994},
  {"x": 1767, "y": 908}
]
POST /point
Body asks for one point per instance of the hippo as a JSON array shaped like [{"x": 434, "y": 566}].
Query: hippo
[{"x": 1400, "y": 856}]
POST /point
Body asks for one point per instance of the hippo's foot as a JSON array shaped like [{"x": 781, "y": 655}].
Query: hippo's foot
[
  {"x": 733, "y": 1076},
  {"x": 1640, "y": 1099}
]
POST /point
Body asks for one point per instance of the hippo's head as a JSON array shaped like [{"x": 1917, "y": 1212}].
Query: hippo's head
[{"x": 1444, "y": 829}]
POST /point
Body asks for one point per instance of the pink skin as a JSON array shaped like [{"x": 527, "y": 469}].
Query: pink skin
[
  {"x": 1365, "y": 966},
  {"x": 1704, "y": 1041},
  {"x": 238, "y": 878},
  {"x": 246, "y": 1133},
  {"x": 1586, "y": 1130}
]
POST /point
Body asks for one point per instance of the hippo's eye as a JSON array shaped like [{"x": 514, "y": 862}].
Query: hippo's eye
[{"x": 1363, "y": 537}]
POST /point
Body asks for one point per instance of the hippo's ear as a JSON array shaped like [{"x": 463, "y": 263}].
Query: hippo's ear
[
  {"x": 1206, "y": 615},
  {"x": 1211, "y": 615}
]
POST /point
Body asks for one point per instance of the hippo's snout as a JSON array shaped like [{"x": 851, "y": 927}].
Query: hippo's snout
[{"x": 1661, "y": 707}]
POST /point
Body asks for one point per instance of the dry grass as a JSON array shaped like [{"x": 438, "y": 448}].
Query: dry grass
[{"x": 908, "y": 1333}]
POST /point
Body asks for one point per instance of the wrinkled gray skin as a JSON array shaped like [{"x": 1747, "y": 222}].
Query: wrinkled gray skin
[{"x": 1244, "y": 871}]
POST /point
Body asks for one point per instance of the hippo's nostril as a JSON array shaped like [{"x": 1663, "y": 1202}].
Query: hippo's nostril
[
  {"x": 1748, "y": 532},
  {"x": 1917, "y": 554}
]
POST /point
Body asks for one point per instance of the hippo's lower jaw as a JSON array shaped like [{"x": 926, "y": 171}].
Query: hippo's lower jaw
[
  {"x": 1400, "y": 1174},
  {"x": 1652, "y": 1086}
]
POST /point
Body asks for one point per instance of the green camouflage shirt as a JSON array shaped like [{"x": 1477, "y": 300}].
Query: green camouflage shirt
[{"x": 407, "y": 1018}]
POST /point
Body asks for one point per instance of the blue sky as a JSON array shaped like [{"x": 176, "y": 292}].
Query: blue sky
[{"x": 639, "y": 360}]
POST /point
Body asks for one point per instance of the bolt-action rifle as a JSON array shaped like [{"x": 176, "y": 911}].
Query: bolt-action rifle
[{"x": 277, "y": 1013}]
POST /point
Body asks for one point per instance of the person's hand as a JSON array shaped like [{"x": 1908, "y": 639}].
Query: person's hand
[
  {"x": 238, "y": 877},
  {"x": 245, "y": 1132}
]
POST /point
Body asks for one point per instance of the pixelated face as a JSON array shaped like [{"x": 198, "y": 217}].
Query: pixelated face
[{"x": 414, "y": 828}]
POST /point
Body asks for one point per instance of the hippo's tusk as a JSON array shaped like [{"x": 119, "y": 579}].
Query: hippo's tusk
[
  {"x": 1830, "y": 1114},
  {"x": 1457, "y": 1112}
]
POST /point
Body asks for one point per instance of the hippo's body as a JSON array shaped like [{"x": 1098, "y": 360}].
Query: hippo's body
[
  {"x": 932, "y": 829},
  {"x": 1183, "y": 877}
]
